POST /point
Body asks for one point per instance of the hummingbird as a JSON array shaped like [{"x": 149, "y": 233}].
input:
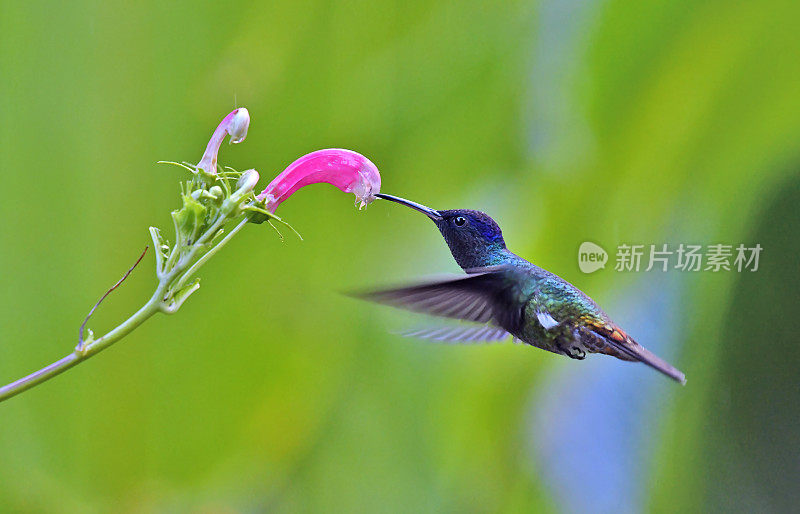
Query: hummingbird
[{"x": 508, "y": 296}]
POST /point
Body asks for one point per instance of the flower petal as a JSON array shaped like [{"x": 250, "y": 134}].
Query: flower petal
[
  {"x": 235, "y": 124},
  {"x": 348, "y": 170}
]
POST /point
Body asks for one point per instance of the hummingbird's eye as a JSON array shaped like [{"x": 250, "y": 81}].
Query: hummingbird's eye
[{"x": 460, "y": 221}]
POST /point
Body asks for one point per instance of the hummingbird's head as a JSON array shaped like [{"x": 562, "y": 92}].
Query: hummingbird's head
[{"x": 474, "y": 238}]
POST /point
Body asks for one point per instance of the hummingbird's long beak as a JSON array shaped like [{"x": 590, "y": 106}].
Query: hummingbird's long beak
[{"x": 432, "y": 214}]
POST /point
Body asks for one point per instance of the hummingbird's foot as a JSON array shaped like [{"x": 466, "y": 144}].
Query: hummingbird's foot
[{"x": 575, "y": 353}]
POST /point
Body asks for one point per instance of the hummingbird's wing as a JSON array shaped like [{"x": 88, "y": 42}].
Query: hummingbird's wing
[
  {"x": 483, "y": 297},
  {"x": 460, "y": 334}
]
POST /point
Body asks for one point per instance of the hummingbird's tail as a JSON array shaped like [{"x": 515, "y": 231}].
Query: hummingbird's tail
[{"x": 631, "y": 350}]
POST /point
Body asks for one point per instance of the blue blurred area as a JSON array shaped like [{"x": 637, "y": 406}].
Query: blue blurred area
[{"x": 593, "y": 428}]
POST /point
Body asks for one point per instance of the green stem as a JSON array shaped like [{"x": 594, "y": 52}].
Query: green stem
[
  {"x": 155, "y": 304},
  {"x": 202, "y": 260},
  {"x": 94, "y": 347}
]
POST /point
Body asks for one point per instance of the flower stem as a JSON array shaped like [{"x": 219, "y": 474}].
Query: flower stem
[
  {"x": 202, "y": 260},
  {"x": 92, "y": 348},
  {"x": 168, "y": 285}
]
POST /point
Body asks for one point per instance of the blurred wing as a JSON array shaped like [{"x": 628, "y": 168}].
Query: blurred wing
[
  {"x": 483, "y": 297},
  {"x": 458, "y": 334}
]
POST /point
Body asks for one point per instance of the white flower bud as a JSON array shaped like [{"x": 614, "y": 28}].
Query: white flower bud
[
  {"x": 216, "y": 192},
  {"x": 238, "y": 125},
  {"x": 247, "y": 182}
]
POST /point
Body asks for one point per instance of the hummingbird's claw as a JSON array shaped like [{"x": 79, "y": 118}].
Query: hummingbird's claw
[{"x": 574, "y": 352}]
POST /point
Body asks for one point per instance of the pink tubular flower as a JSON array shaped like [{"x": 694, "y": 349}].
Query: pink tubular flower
[
  {"x": 349, "y": 171},
  {"x": 235, "y": 124}
]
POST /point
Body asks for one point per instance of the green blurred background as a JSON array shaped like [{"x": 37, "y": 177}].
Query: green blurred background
[{"x": 612, "y": 121}]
